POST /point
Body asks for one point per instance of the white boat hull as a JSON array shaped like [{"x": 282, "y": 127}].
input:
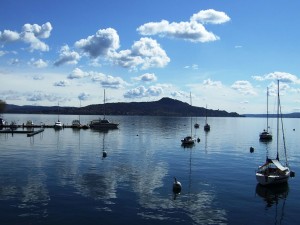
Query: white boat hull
[
  {"x": 272, "y": 179},
  {"x": 58, "y": 125}
]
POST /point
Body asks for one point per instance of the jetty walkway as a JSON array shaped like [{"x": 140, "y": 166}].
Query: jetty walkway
[{"x": 30, "y": 129}]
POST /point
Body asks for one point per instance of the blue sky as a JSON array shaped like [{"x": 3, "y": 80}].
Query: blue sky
[{"x": 226, "y": 53}]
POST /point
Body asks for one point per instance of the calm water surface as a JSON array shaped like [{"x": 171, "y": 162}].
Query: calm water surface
[{"x": 60, "y": 177}]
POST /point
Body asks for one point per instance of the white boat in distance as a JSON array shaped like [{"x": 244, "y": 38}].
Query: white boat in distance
[
  {"x": 266, "y": 135},
  {"x": 58, "y": 125},
  {"x": 103, "y": 123},
  {"x": 273, "y": 171},
  {"x": 2, "y": 122}
]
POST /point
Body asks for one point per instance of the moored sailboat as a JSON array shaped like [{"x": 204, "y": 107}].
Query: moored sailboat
[
  {"x": 58, "y": 125},
  {"x": 189, "y": 140},
  {"x": 206, "y": 126},
  {"x": 273, "y": 171},
  {"x": 76, "y": 122},
  {"x": 103, "y": 123},
  {"x": 266, "y": 135}
]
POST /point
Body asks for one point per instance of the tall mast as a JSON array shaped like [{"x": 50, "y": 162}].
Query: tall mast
[
  {"x": 267, "y": 109},
  {"x": 57, "y": 111},
  {"x": 104, "y": 105},
  {"x": 79, "y": 110},
  {"x": 191, "y": 115},
  {"x": 206, "y": 115},
  {"x": 278, "y": 102}
]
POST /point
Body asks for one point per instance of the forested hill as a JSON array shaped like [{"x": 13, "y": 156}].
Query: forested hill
[{"x": 162, "y": 107}]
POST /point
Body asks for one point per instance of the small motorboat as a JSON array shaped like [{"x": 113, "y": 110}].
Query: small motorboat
[{"x": 58, "y": 125}]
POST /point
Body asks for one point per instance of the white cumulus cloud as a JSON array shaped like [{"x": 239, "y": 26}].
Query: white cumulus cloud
[
  {"x": 40, "y": 63},
  {"x": 9, "y": 36},
  {"x": 145, "y": 53},
  {"x": 77, "y": 74},
  {"x": 192, "y": 30},
  {"x": 147, "y": 77},
  {"x": 282, "y": 76},
  {"x": 243, "y": 87},
  {"x": 212, "y": 83},
  {"x": 141, "y": 92},
  {"x": 210, "y": 16},
  {"x": 30, "y": 34},
  {"x": 100, "y": 44},
  {"x": 66, "y": 56},
  {"x": 62, "y": 83}
]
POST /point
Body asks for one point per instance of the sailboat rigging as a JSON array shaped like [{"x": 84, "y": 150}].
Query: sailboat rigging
[
  {"x": 76, "y": 123},
  {"x": 266, "y": 135},
  {"x": 189, "y": 140},
  {"x": 273, "y": 171},
  {"x": 206, "y": 126},
  {"x": 103, "y": 123},
  {"x": 58, "y": 125}
]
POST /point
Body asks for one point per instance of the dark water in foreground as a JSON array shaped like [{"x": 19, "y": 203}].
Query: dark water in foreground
[{"x": 60, "y": 177}]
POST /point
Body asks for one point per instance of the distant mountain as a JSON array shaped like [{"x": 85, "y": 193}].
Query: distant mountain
[{"x": 162, "y": 107}]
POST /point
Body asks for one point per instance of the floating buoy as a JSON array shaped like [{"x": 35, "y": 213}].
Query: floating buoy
[
  {"x": 176, "y": 186},
  {"x": 104, "y": 154},
  {"x": 292, "y": 174},
  {"x": 294, "y": 129},
  {"x": 251, "y": 149}
]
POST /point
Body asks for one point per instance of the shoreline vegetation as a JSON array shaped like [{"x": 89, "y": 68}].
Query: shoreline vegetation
[{"x": 162, "y": 107}]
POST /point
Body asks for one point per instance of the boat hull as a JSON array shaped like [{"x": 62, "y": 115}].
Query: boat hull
[
  {"x": 265, "y": 136},
  {"x": 58, "y": 125},
  {"x": 188, "y": 141},
  {"x": 104, "y": 126},
  {"x": 207, "y": 127},
  {"x": 272, "y": 179}
]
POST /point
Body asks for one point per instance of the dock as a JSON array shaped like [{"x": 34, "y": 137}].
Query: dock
[
  {"x": 29, "y": 133},
  {"x": 35, "y": 132},
  {"x": 33, "y": 126}
]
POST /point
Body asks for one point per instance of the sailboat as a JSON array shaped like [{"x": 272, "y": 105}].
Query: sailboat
[
  {"x": 103, "y": 123},
  {"x": 266, "y": 135},
  {"x": 58, "y": 125},
  {"x": 196, "y": 125},
  {"x": 273, "y": 171},
  {"x": 206, "y": 126},
  {"x": 76, "y": 123},
  {"x": 189, "y": 140}
]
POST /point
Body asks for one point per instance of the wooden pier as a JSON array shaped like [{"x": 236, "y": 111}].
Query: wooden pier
[{"x": 29, "y": 133}]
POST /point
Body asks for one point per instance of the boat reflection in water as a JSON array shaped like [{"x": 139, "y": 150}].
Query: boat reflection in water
[{"x": 274, "y": 195}]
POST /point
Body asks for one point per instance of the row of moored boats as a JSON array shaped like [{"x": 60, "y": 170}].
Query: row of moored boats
[{"x": 273, "y": 171}]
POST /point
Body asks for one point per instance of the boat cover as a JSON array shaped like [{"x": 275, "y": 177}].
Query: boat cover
[{"x": 278, "y": 165}]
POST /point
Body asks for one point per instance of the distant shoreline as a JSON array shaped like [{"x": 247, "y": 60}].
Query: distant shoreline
[{"x": 162, "y": 107}]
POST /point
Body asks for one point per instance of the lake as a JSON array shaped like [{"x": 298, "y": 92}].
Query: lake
[{"x": 61, "y": 177}]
